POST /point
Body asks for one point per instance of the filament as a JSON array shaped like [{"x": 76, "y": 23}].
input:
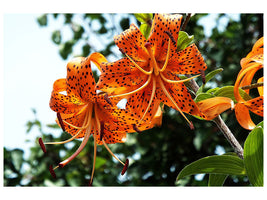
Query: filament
[
  {"x": 167, "y": 57},
  {"x": 106, "y": 146},
  {"x": 177, "y": 81}
]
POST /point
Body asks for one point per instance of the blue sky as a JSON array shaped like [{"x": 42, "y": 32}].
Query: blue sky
[{"x": 31, "y": 65}]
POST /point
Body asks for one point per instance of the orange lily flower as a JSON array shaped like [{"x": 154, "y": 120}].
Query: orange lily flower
[
  {"x": 149, "y": 72},
  {"x": 250, "y": 65},
  {"x": 82, "y": 112}
]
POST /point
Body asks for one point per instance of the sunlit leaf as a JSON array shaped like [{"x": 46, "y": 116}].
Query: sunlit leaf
[
  {"x": 223, "y": 164},
  {"x": 217, "y": 179},
  {"x": 253, "y": 156},
  {"x": 228, "y": 91},
  {"x": 184, "y": 40}
]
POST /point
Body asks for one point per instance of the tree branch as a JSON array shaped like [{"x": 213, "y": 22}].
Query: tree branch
[{"x": 221, "y": 125}]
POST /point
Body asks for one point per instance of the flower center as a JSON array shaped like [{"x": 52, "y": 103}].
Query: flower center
[{"x": 153, "y": 62}]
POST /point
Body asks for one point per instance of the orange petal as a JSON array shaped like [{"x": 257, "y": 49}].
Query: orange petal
[
  {"x": 255, "y": 105},
  {"x": 97, "y": 59},
  {"x": 80, "y": 79},
  {"x": 132, "y": 42},
  {"x": 187, "y": 61},
  {"x": 243, "y": 116},
  {"x": 260, "y": 89},
  {"x": 213, "y": 107},
  {"x": 159, "y": 38},
  {"x": 181, "y": 96},
  {"x": 62, "y": 103}
]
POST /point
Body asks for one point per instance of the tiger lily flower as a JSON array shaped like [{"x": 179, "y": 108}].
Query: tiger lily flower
[
  {"x": 149, "y": 72},
  {"x": 250, "y": 65},
  {"x": 82, "y": 112}
]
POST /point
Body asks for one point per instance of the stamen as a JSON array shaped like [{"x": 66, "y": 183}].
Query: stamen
[
  {"x": 66, "y": 141},
  {"x": 151, "y": 99},
  {"x": 106, "y": 146},
  {"x": 167, "y": 57},
  {"x": 137, "y": 66},
  {"x": 125, "y": 167},
  {"x": 177, "y": 81},
  {"x": 152, "y": 57},
  {"x": 107, "y": 99},
  {"x": 87, "y": 135},
  {"x": 42, "y": 145},
  {"x": 171, "y": 37},
  {"x": 92, "y": 175},
  {"x": 203, "y": 76},
  {"x": 90, "y": 182},
  {"x": 52, "y": 172},
  {"x": 60, "y": 121},
  {"x": 174, "y": 103},
  {"x": 191, "y": 125},
  {"x": 134, "y": 91},
  {"x": 101, "y": 130},
  {"x": 136, "y": 129}
]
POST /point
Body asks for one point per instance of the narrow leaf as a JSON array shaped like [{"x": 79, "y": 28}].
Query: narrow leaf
[
  {"x": 217, "y": 179},
  {"x": 222, "y": 164},
  {"x": 253, "y": 156},
  {"x": 203, "y": 96},
  {"x": 145, "y": 30},
  {"x": 213, "y": 73}
]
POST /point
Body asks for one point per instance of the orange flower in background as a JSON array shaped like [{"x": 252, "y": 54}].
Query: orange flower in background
[
  {"x": 149, "y": 74},
  {"x": 82, "y": 112},
  {"x": 250, "y": 65}
]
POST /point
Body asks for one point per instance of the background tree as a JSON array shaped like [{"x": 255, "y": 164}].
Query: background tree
[{"x": 156, "y": 155}]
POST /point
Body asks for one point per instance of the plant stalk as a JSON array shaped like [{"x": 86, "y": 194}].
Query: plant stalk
[{"x": 221, "y": 125}]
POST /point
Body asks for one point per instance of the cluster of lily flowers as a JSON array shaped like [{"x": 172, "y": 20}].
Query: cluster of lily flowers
[{"x": 148, "y": 77}]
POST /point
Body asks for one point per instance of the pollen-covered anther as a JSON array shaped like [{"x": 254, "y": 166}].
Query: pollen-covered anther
[
  {"x": 170, "y": 36},
  {"x": 203, "y": 76},
  {"x": 101, "y": 130},
  {"x": 107, "y": 99},
  {"x": 136, "y": 128},
  {"x": 191, "y": 125},
  {"x": 91, "y": 182},
  {"x": 52, "y": 172},
  {"x": 41, "y": 143},
  {"x": 60, "y": 121},
  {"x": 147, "y": 45},
  {"x": 125, "y": 167}
]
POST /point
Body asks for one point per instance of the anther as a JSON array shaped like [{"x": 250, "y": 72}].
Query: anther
[
  {"x": 147, "y": 45},
  {"x": 60, "y": 121},
  {"x": 191, "y": 125},
  {"x": 136, "y": 129},
  {"x": 52, "y": 172},
  {"x": 42, "y": 145},
  {"x": 203, "y": 76},
  {"x": 91, "y": 182},
  {"x": 125, "y": 167},
  {"x": 107, "y": 99},
  {"x": 101, "y": 130},
  {"x": 170, "y": 36},
  {"x": 122, "y": 51}
]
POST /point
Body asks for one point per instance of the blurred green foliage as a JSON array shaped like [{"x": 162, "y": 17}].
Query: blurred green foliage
[{"x": 157, "y": 155}]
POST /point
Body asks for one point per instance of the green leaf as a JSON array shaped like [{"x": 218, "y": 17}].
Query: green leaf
[
  {"x": 56, "y": 37},
  {"x": 211, "y": 74},
  {"x": 228, "y": 91},
  {"x": 17, "y": 158},
  {"x": 144, "y": 17},
  {"x": 145, "y": 30},
  {"x": 184, "y": 40},
  {"x": 146, "y": 21},
  {"x": 203, "y": 96},
  {"x": 253, "y": 156},
  {"x": 217, "y": 179},
  {"x": 42, "y": 20},
  {"x": 223, "y": 164},
  {"x": 99, "y": 162}
]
